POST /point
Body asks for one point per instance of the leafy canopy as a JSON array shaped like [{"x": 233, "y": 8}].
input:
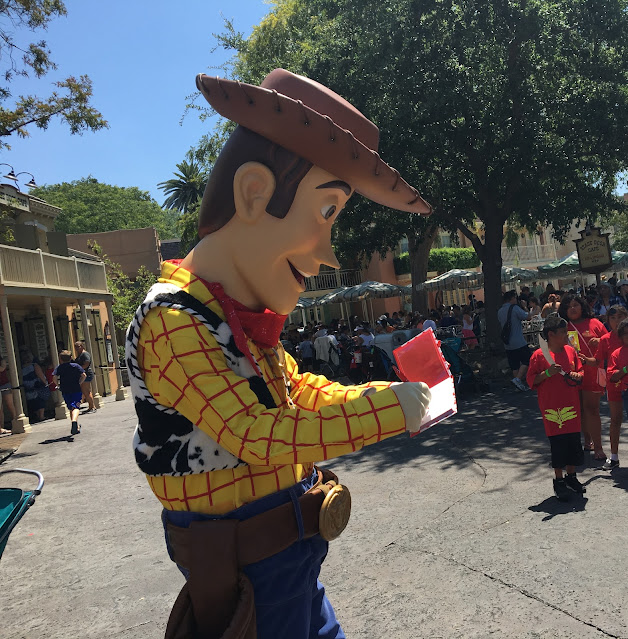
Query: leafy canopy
[
  {"x": 20, "y": 58},
  {"x": 89, "y": 206},
  {"x": 619, "y": 237},
  {"x": 507, "y": 111},
  {"x": 441, "y": 260}
]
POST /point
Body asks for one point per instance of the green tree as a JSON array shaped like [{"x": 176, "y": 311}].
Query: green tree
[
  {"x": 619, "y": 236},
  {"x": 18, "y": 57},
  {"x": 187, "y": 226},
  {"x": 186, "y": 188},
  {"x": 202, "y": 156},
  {"x": 514, "y": 111},
  {"x": 89, "y": 206},
  {"x": 127, "y": 294}
]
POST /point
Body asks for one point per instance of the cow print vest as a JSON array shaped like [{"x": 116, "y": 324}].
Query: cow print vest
[{"x": 166, "y": 442}]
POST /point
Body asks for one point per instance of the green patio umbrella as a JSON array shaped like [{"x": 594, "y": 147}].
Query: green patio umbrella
[
  {"x": 514, "y": 273},
  {"x": 564, "y": 266},
  {"x": 570, "y": 264},
  {"x": 456, "y": 278}
]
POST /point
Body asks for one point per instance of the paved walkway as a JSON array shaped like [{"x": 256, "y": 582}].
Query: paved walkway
[{"x": 454, "y": 534}]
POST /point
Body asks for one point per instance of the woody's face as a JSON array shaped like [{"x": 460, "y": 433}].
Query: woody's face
[{"x": 291, "y": 249}]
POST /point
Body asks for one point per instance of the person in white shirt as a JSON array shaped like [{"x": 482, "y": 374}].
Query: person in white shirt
[{"x": 365, "y": 337}]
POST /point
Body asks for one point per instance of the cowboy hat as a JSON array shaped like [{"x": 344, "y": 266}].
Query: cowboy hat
[{"x": 312, "y": 121}]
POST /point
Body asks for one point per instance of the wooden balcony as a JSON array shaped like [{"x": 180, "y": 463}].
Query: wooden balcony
[
  {"x": 25, "y": 268},
  {"x": 536, "y": 254},
  {"x": 330, "y": 280}
]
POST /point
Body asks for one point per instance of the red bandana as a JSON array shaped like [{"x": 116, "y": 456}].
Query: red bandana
[{"x": 264, "y": 327}]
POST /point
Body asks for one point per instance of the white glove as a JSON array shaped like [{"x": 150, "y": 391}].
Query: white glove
[{"x": 414, "y": 398}]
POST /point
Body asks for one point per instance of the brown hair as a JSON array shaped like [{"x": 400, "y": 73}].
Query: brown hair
[
  {"x": 567, "y": 300},
  {"x": 65, "y": 356},
  {"x": 218, "y": 207}
]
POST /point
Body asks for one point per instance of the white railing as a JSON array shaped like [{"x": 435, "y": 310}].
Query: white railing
[
  {"x": 529, "y": 254},
  {"x": 27, "y": 268},
  {"x": 330, "y": 280}
]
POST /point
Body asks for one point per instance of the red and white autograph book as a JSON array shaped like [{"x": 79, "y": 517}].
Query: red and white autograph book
[{"x": 421, "y": 360}]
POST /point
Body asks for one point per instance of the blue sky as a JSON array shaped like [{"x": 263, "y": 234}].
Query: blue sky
[{"x": 143, "y": 57}]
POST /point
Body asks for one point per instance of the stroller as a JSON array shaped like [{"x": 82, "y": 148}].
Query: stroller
[{"x": 14, "y": 502}]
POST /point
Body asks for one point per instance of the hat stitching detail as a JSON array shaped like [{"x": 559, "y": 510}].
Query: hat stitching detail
[
  {"x": 397, "y": 176},
  {"x": 416, "y": 196},
  {"x": 332, "y": 137},
  {"x": 278, "y": 105},
  {"x": 355, "y": 153},
  {"x": 246, "y": 95},
  {"x": 224, "y": 92},
  {"x": 306, "y": 120}
]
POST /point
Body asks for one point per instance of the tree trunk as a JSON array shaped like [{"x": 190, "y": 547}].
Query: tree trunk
[
  {"x": 492, "y": 267},
  {"x": 419, "y": 252}
]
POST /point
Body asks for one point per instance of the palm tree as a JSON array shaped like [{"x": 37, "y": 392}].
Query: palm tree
[{"x": 186, "y": 188}]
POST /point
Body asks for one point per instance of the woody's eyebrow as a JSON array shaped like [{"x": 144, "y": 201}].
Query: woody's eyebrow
[{"x": 336, "y": 184}]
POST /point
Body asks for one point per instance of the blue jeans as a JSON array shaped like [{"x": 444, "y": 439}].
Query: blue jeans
[{"x": 290, "y": 601}]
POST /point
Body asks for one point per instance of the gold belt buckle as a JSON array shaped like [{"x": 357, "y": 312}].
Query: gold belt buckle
[{"x": 335, "y": 511}]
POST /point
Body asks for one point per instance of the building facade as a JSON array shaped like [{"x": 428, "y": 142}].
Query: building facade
[{"x": 49, "y": 298}]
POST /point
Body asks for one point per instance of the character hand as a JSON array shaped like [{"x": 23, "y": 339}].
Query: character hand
[
  {"x": 414, "y": 398},
  {"x": 593, "y": 342},
  {"x": 555, "y": 369},
  {"x": 575, "y": 376}
]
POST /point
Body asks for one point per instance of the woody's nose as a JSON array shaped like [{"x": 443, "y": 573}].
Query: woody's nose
[{"x": 325, "y": 253}]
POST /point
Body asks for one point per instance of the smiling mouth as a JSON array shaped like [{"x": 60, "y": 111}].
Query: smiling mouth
[{"x": 298, "y": 275}]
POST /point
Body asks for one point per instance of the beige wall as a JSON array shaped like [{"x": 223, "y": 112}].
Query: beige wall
[
  {"x": 379, "y": 270},
  {"x": 130, "y": 248}
]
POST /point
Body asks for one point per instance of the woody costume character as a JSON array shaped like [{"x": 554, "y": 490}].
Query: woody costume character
[{"x": 229, "y": 430}]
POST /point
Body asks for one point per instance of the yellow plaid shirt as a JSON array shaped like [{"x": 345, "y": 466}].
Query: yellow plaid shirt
[{"x": 184, "y": 368}]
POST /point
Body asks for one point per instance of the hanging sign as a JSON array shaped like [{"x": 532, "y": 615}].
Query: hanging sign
[{"x": 594, "y": 250}]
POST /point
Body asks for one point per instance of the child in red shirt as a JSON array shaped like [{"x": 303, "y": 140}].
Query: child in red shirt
[
  {"x": 618, "y": 371},
  {"x": 608, "y": 344},
  {"x": 559, "y": 401}
]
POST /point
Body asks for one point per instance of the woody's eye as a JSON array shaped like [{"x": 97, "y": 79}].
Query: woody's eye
[{"x": 328, "y": 211}]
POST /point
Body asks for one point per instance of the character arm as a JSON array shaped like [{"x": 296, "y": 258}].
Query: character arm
[
  {"x": 312, "y": 392},
  {"x": 190, "y": 374}
]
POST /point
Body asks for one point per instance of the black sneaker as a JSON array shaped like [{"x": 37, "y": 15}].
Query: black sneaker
[
  {"x": 573, "y": 483},
  {"x": 609, "y": 464},
  {"x": 560, "y": 490},
  {"x": 75, "y": 429}
]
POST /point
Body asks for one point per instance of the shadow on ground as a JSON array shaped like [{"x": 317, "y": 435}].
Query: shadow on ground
[
  {"x": 66, "y": 438},
  {"x": 506, "y": 427},
  {"x": 553, "y": 507}
]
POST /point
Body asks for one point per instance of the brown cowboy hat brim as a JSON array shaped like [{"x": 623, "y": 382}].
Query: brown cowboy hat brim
[{"x": 313, "y": 136}]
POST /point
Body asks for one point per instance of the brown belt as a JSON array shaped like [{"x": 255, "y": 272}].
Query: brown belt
[
  {"x": 217, "y": 600},
  {"x": 324, "y": 508}
]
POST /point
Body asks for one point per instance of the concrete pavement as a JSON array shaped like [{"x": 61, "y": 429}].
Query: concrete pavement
[{"x": 454, "y": 533}]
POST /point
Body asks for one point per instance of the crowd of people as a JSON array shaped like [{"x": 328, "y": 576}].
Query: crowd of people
[
  {"x": 586, "y": 333},
  {"x": 337, "y": 347},
  {"x": 586, "y": 330}
]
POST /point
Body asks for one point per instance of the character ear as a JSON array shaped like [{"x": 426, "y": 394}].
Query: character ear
[{"x": 253, "y": 186}]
